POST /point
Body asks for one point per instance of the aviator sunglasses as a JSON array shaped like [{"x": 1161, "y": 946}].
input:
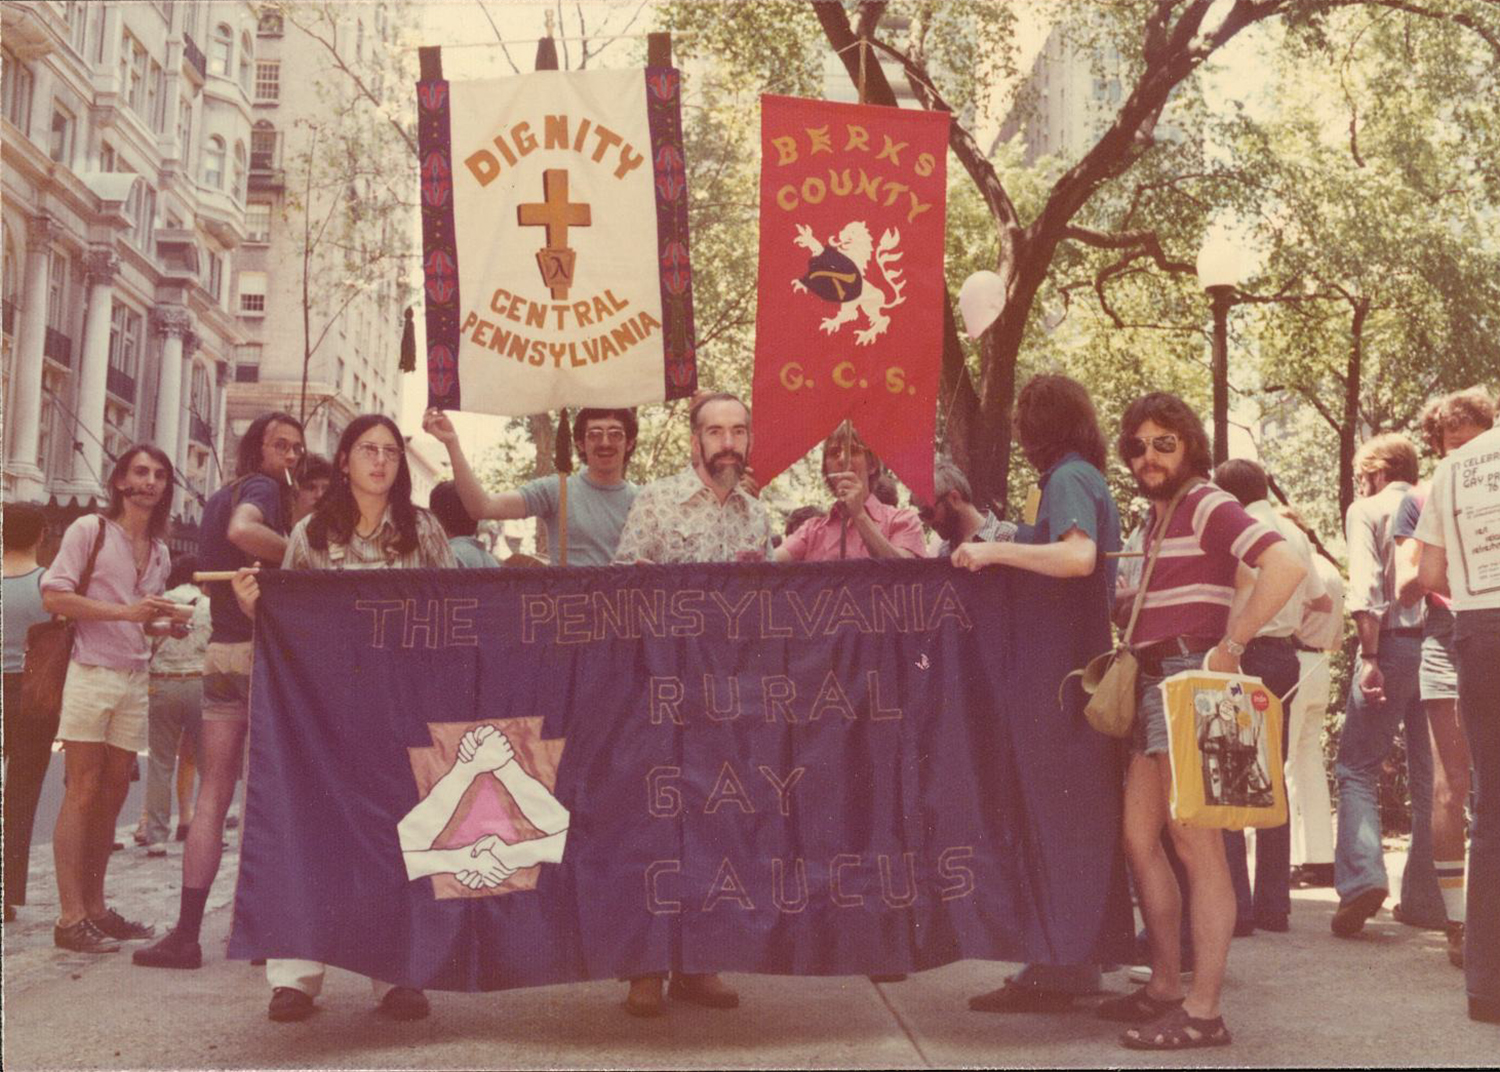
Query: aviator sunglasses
[{"x": 1135, "y": 446}]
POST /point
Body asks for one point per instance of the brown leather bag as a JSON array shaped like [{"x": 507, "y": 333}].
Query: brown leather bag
[
  {"x": 49, "y": 647},
  {"x": 1109, "y": 679}
]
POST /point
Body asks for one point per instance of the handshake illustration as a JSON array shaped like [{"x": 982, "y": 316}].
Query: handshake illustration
[{"x": 490, "y": 860}]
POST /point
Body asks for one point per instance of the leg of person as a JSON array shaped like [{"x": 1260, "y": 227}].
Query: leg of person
[
  {"x": 1235, "y": 854},
  {"x": 1450, "y": 792},
  {"x": 1309, "y": 807},
  {"x": 28, "y": 752},
  {"x": 1421, "y": 897},
  {"x": 187, "y": 768},
  {"x": 125, "y": 738},
  {"x": 163, "y": 731},
  {"x": 1160, "y": 897},
  {"x": 1477, "y": 645},
  {"x": 1274, "y": 661},
  {"x": 73, "y": 849},
  {"x": 294, "y": 985},
  {"x": 1197, "y": 1021},
  {"x": 1359, "y": 861}
]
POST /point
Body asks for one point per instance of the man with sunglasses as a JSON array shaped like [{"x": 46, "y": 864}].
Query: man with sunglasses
[
  {"x": 599, "y": 497},
  {"x": 1186, "y": 623}
]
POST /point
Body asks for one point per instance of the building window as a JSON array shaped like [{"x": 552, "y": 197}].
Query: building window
[
  {"x": 106, "y": 157},
  {"x": 57, "y": 291},
  {"x": 200, "y": 400},
  {"x": 221, "y": 50},
  {"x": 54, "y": 387},
  {"x": 245, "y": 63},
  {"x": 18, "y": 85},
  {"x": 156, "y": 98},
  {"x": 99, "y": 11},
  {"x": 190, "y": 16},
  {"x": 63, "y": 127},
  {"x": 258, "y": 222},
  {"x": 252, "y": 292},
  {"x": 268, "y": 80},
  {"x": 141, "y": 208},
  {"x": 263, "y": 146},
  {"x": 133, "y": 60},
  {"x": 247, "y": 363},
  {"x": 124, "y": 348},
  {"x": 239, "y": 171},
  {"x": 270, "y": 24},
  {"x": 213, "y": 276},
  {"x": 76, "y": 19},
  {"x": 213, "y": 163},
  {"x": 185, "y": 129}
]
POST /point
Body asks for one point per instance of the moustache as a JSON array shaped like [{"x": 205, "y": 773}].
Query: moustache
[{"x": 728, "y": 455}]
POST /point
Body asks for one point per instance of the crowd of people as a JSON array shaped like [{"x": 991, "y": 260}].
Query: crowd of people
[{"x": 1237, "y": 586}]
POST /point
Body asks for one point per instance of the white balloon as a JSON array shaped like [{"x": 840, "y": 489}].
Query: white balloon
[{"x": 980, "y": 301}]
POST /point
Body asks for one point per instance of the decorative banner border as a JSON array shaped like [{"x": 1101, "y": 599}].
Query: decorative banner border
[
  {"x": 439, "y": 243},
  {"x": 664, "y": 113}
]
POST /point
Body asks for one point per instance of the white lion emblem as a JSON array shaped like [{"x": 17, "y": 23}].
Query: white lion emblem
[{"x": 839, "y": 273}]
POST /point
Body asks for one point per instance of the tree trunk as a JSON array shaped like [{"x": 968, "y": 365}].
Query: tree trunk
[{"x": 1349, "y": 429}]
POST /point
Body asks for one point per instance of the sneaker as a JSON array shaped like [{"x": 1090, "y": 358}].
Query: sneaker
[
  {"x": 288, "y": 1004},
  {"x": 171, "y": 952},
  {"x": 1456, "y": 944},
  {"x": 84, "y": 937},
  {"x": 1141, "y": 974},
  {"x": 1349, "y": 918},
  {"x": 403, "y": 1003},
  {"x": 121, "y": 929}
]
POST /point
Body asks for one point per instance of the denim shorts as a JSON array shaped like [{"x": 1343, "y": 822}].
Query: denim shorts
[
  {"x": 226, "y": 682},
  {"x": 1438, "y": 675},
  {"x": 1149, "y": 734}
]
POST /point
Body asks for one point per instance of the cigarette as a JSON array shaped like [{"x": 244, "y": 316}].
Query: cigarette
[
  {"x": 206, "y": 576},
  {"x": 289, "y": 481},
  {"x": 1124, "y": 554}
]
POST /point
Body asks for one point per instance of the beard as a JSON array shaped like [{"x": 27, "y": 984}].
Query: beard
[
  {"x": 1170, "y": 485},
  {"x": 726, "y": 468}
]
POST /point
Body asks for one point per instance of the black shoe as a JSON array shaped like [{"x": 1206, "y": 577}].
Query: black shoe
[
  {"x": 403, "y": 1003},
  {"x": 182, "y": 829},
  {"x": 1349, "y": 918},
  {"x": 1313, "y": 875},
  {"x": 1485, "y": 1010},
  {"x": 84, "y": 937},
  {"x": 116, "y": 846},
  {"x": 171, "y": 952},
  {"x": 1244, "y": 928},
  {"x": 288, "y": 1005},
  {"x": 1012, "y": 998},
  {"x": 118, "y": 927},
  {"x": 231, "y": 822},
  {"x": 1277, "y": 924}
]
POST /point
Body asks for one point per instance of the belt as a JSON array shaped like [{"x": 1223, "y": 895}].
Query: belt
[
  {"x": 1262, "y": 641},
  {"x": 175, "y": 677},
  {"x": 1151, "y": 655},
  {"x": 1404, "y": 631},
  {"x": 1306, "y": 647}
]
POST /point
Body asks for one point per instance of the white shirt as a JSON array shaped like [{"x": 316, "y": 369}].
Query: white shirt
[
  {"x": 1288, "y": 619},
  {"x": 1462, "y": 516}
]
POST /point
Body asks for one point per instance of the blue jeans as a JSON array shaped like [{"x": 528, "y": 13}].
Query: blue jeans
[
  {"x": 1274, "y": 662},
  {"x": 1477, "y": 642},
  {"x": 1369, "y": 730}
]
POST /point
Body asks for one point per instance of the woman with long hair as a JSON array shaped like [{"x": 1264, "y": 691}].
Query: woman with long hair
[{"x": 366, "y": 520}]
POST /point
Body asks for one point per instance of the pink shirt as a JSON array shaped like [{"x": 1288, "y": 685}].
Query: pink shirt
[
  {"x": 116, "y": 645},
  {"x": 818, "y": 540}
]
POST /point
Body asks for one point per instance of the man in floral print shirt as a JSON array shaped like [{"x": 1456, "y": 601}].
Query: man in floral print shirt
[{"x": 701, "y": 514}]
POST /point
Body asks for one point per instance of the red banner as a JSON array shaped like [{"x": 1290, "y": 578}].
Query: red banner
[{"x": 850, "y": 316}]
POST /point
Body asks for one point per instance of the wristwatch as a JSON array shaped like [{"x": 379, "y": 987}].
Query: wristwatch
[{"x": 1233, "y": 647}]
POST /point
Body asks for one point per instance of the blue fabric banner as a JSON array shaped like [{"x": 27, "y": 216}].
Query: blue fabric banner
[{"x": 476, "y": 780}]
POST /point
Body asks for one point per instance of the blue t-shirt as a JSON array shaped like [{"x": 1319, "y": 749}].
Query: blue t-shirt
[
  {"x": 1074, "y": 495},
  {"x": 22, "y": 598},
  {"x": 470, "y": 553},
  {"x": 596, "y": 515},
  {"x": 215, "y": 552}
]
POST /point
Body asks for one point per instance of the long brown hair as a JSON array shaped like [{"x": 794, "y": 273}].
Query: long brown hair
[
  {"x": 1054, "y": 415},
  {"x": 161, "y": 513},
  {"x": 337, "y": 513},
  {"x": 1172, "y": 413}
]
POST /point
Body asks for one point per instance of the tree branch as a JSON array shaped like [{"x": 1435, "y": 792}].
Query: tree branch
[{"x": 1490, "y": 36}]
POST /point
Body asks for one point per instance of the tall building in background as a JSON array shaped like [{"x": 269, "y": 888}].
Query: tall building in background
[
  {"x": 1066, "y": 100},
  {"x": 328, "y": 250},
  {"x": 125, "y": 137},
  {"x": 177, "y": 176}
]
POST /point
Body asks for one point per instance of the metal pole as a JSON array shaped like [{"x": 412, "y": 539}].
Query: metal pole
[{"x": 1223, "y": 298}]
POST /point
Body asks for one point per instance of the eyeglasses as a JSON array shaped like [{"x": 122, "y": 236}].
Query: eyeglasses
[
  {"x": 288, "y": 446},
  {"x": 1162, "y": 444},
  {"x": 605, "y": 435},
  {"x": 373, "y": 452}
]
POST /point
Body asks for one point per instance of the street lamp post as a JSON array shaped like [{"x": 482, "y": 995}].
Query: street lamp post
[{"x": 1219, "y": 273}]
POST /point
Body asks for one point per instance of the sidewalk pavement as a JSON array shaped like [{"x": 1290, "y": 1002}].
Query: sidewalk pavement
[{"x": 1388, "y": 998}]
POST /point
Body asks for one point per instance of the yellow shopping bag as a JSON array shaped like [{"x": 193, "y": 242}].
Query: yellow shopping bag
[{"x": 1225, "y": 734}]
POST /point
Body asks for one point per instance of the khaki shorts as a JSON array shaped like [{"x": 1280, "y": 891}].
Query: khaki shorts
[
  {"x": 106, "y": 706},
  {"x": 226, "y": 682}
]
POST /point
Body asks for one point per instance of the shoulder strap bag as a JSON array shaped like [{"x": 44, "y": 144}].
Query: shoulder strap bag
[{"x": 49, "y": 647}]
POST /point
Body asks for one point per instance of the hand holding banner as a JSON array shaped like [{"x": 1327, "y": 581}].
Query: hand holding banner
[{"x": 850, "y": 315}]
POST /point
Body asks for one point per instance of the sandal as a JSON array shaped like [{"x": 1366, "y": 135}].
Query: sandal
[
  {"x": 1177, "y": 1031},
  {"x": 1137, "y": 1007}
]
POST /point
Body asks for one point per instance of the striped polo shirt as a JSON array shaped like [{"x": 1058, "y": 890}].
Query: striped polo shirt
[{"x": 1192, "y": 585}]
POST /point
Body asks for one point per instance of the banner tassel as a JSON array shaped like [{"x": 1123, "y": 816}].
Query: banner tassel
[{"x": 409, "y": 344}]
